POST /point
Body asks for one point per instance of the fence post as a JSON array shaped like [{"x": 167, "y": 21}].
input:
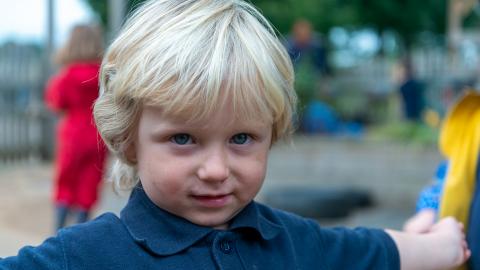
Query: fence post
[{"x": 45, "y": 118}]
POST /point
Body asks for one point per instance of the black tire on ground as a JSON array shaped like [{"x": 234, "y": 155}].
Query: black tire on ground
[{"x": 317, "y": 203}]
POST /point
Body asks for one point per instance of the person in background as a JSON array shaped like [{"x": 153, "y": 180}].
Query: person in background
[
  {"x": 455, "y": 190},
  {"x": 80, "y": 152},
  {"x": 305, "y": 46},
  {"x": 308, "y": 53},
  {"x": 411, "y": 92}
]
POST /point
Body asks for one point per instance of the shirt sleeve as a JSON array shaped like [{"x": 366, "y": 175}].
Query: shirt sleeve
[
  {"x": 359, "y": 248},
  {"x": 430, "y": 196},
  {"x": 48, "y": 256},
  {"x": 56, "y": 92}
]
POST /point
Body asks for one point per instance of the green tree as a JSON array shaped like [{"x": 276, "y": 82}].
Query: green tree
[
  {"x": 407, "y": 18},
  {"x": 101, "y": 8},
  {"x": 322, "y": 14},
  {"x": 282, "y": 13}
]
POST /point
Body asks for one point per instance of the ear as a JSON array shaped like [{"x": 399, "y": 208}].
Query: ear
[{"x": 131, "y": 153}]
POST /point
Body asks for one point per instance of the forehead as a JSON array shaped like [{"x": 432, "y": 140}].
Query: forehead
[
  {"x": 234, "y": 103},
  {"x": 223, "y": 117}
]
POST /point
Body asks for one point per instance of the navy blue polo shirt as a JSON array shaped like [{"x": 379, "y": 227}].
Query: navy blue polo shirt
[{"x": 259, "y": 237}]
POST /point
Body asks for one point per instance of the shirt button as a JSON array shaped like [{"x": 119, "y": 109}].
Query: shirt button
[{"x": 226, "y": 246}]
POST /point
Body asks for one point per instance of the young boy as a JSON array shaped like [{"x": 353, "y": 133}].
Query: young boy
[{"x": 194, "y": 94}]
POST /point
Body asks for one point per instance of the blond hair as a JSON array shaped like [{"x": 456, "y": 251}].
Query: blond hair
[
  {"x": 85, "y": 43},
  {"x": 188, "y": 57}
]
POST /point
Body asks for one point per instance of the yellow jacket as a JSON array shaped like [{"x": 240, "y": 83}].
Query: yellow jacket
[{"x": 459, "y": 142}]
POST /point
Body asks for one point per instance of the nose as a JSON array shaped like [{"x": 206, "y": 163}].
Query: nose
[{"x": 214, "y": 167}]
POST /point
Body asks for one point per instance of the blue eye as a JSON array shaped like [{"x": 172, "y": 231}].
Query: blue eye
[
  {"x": 240, "y": 138},
  {"x": 181, "y": 138}
]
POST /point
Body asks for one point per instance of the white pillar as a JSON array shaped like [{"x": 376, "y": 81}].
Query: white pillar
[{"x": 116, "y": 16}]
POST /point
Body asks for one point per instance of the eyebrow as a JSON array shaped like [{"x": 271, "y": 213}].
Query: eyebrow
[{"x": 167, "y": 128}]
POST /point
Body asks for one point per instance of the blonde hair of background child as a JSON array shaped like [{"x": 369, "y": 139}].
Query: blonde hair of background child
[
  {"x": 85, "y": 43},
  {"x": 190, "y": 57}
]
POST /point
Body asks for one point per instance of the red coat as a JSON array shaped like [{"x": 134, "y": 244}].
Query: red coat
[{"x": 80, "y": 155}]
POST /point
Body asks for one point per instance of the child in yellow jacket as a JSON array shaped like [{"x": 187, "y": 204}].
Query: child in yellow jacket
[{"x": 455, "y": 192}]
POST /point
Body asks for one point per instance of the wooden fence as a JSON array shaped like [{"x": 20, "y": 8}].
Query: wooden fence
[{"x": 23, "y": 120}]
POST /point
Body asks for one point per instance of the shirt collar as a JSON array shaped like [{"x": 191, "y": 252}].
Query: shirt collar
[
  {"x": 252, "y": 218},
  {"x": 165, "y": 234}
]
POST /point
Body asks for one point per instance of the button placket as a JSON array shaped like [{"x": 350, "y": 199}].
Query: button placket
[
  {"x": 226, "y": 246},
  {"x": 224, "y": 242},
  {"x": 224, "y": 250}
]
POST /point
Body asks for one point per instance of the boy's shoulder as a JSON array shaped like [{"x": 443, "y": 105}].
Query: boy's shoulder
[
  {"x": 285, "y": 219},
  {"x": 102, "y": 243},
  {"x": 83, "y": 246},
  {"x": 105, "y": 225},
  {"x": 96, "y": 234}
]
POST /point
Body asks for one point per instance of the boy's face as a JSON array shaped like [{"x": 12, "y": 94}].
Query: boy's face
[{"x": 205, "y": 172}]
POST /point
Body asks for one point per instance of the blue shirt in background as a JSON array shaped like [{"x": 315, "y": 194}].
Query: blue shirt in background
[
  {"x": 430, "y": 197},
  {"x": 259, "y": 237}
]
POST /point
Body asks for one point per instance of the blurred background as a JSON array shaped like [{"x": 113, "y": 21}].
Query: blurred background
[{"x": 374, "y": 78}]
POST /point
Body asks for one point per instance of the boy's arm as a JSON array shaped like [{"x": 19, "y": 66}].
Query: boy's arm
[
  {"x": 48, "y": 256},
  {"x": 443, "y": 247}
]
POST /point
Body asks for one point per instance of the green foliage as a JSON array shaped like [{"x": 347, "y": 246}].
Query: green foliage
[
  {"x": 305, "y": 83},
  {"x": 101, "y": 8},
  {"x": 406, "y": 17},
  {"x": 323, "y": 14},
  {"x": 282, "y": 13},
  {"x": 472, "y": 20},
  {"x": 406, "y": 132}
]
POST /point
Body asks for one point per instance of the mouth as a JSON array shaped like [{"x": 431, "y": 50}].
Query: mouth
[{"x": 212, "y": 201}]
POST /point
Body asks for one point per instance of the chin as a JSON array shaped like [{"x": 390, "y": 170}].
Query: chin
[{"x": 212, "y": 221}]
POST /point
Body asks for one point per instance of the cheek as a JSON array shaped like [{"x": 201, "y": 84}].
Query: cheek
[
  {"x": 251, "y": 181},
  {"x": 165, "y": 176},
  {"x": 254, "y": 169}
]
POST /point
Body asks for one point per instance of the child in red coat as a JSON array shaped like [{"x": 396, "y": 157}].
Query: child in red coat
[{"x": 80, "y": 154}]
